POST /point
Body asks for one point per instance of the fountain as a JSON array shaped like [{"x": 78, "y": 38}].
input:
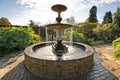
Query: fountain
[
  {"x": 59, "y": 48},
  {"x": 59, "y": 60}
]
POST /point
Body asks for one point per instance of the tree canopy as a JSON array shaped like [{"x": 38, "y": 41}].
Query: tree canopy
[
  {"x": 4, "y": 21},
  {"x": 92, "y": 15},
  {"x": 108, "y": 17},
  {"x": 116, "y": 19}
]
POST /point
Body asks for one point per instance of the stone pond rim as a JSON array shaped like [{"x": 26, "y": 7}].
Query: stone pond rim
[{"x": 54, "y": 69}]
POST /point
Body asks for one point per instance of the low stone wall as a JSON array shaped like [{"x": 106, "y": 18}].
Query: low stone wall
[{"x": 59, "y": 69}]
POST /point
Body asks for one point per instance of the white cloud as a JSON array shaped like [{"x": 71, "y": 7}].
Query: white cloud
[{"x": 40, "y": 10}]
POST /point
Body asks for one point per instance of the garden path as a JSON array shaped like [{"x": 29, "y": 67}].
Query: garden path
[{"x": 106, "y": 52}]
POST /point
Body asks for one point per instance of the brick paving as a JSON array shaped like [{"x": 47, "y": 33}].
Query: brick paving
[{"x": 98, "y": 72}]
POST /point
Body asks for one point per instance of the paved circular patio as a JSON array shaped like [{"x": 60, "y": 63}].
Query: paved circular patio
[{"x": 98, "y": 72}]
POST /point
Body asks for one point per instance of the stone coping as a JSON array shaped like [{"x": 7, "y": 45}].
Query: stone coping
[{"x": 29, "y": 51}]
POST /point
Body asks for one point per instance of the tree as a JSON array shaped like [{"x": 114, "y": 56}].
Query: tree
[
  {"x": 92, "y": 15},
  {"x": 4, "y": 21},
  {"x": 116, "y": 19},
  {"x": 32, "y": 23},
  {"x": 40, "y": 30},
  {"x": 108, "y": 17},
  {"x": 43, "y": 32},
  {"x": 71, "y": 20},
  {"x": 34, "y": 26}
]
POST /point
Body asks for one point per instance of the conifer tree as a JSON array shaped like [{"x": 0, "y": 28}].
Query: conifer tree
[
  {"x": 92, "y": 15},
  {"x": 108, "y": 17},
  {"x": 116, "y": 19}
]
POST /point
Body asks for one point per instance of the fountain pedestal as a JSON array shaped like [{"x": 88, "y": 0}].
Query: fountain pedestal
[{"x": 59, "y": 48}]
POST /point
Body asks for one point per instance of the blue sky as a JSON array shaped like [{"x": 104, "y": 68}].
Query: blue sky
[{"x": 19, "y": 12}]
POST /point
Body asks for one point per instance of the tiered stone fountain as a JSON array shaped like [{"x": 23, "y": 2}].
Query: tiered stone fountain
[
  {"x": 57, "y": 60},
  {"x": 59, "y": 48}
]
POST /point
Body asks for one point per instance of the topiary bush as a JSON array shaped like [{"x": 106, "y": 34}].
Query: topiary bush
[
  {"x": 116, "y": 44},
  {"x": 14, "y": 38}
]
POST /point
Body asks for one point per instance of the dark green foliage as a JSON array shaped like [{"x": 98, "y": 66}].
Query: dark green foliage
[
  {"x": 116, "y": 19},
  {"x": 51, "y": 34},
  {"x": 87, "y": 29},
  {"x": 116, "y": 44},
  {"x": 98, "y": 33},
  {"x": 34, "y": 26},
  {"x": 13, "y": 38},
  {"x": 78, "y": 37},
  {"x": 66, "y": 35},
  {"x": 97, "y": 42},
  {"x": 40, "y": 30},
  {"x": 103, "y": 32},
  {"x": 92, "y": 15},
  {"x": 43, "y": 33},
  {"x": 107, "y": 18},
  {"x": 107, "y": 32}
]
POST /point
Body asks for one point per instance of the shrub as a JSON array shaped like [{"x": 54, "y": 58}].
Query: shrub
[
  {"x": 104, "y": 32},
  {"x": 117, "y": 53},
  {"x": 85, "y": 28},
  {"x": 107, "y": 32},
  {"x": 116, "y": 44},
  {"x": 78, "y": 37},
  {"x": 13, "y": 38}
]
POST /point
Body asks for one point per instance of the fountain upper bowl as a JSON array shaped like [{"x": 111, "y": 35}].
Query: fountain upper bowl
[{"x": 59, "y": 26}]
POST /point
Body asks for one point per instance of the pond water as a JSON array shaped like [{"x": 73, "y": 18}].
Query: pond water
[{"x": 46, "y": 52}]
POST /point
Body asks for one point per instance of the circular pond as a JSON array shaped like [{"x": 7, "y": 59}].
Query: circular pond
[{"x": 41, "y": 61}]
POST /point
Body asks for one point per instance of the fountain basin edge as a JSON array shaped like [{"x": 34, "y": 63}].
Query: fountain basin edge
[{"x": 59, "y": 68}]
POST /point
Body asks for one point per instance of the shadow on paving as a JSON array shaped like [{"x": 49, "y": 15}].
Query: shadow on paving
[
  {"x": 98, "y": 72},
  {"x": 19, "y": 73},
  {"x": 11, "y": 58}
]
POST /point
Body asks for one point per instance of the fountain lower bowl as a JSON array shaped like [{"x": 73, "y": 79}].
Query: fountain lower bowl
[{"x": 59, "y": 67}]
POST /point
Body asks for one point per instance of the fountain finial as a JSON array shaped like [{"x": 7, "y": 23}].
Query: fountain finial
[{"x": 59, "y": 8}]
